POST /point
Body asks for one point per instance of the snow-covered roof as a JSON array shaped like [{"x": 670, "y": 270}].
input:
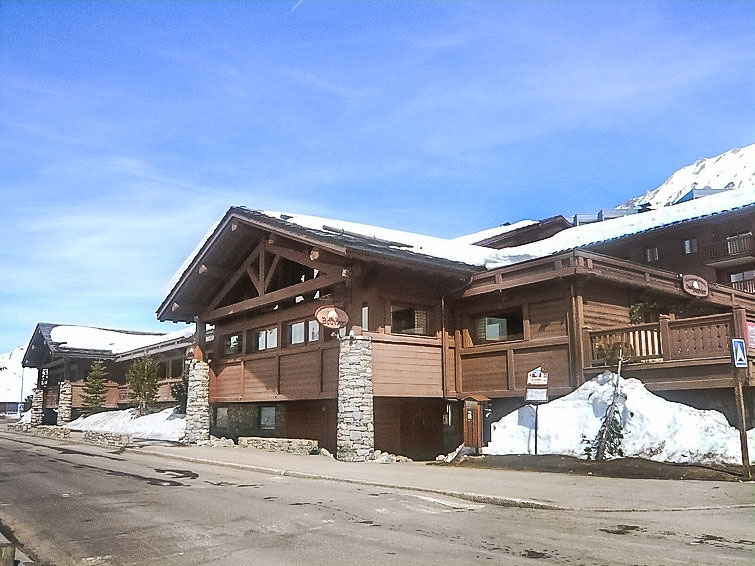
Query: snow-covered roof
[
  {"x": 492, "y": 232},
  {"x": 112, "y": 341},
  {"x": 590, "y": 234}
]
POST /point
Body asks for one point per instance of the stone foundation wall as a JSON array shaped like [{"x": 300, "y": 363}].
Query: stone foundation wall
[
  {"x": 198, "y": 403},
  {"x": 37, "y": 411},
  {"x": 235, "y": 420},
  {"x": 64, "y": 403},
  {"x": 295, "y": 445},
  {"x": 18, "y": 427},
  {"x": 107, "y": 438},
  {"x": 51, "y": 431},
  {"x": 356, "y": 425}
]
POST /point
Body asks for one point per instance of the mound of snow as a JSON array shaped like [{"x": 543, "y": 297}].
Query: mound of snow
[
  {"x": 168, "y": 424},
  {"x": 653, "y": 428}
]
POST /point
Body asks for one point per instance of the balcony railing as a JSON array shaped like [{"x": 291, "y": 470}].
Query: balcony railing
[
  {"x": 684, "y": 339},
  {"x": 743, "y": 245},
  {"x": 748, "y": 285}
]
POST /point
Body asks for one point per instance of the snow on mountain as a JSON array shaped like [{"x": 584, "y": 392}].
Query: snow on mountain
[
  {"x": 653, "y": 428},
  {"x": 12, "y": 374},
  {"x": 733, "y": 169}
]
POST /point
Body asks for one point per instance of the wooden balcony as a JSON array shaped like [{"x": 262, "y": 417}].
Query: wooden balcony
[
  {"x": 746, "y": 286},
  {"x": 699, "y": 338},
  {"x": 730, "y": 252}
]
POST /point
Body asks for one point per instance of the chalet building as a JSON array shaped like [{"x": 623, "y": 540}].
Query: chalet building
[
  {"x": 440, "y": 329},
  {"x": 63, "y": 355}
]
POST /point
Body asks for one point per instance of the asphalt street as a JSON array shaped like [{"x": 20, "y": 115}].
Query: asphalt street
[{"x": 72, "y": 504}]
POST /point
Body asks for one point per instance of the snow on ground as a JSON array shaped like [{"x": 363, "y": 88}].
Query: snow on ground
[
  {"x": 653, "y": 428},
  {"x": 165, "y": 425},
  {"x": 12, "y": 375}
]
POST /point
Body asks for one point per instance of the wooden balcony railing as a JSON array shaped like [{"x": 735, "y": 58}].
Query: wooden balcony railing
[
  {"x": 739, "y": 245},
  {"x": 748, "y": 285},
  {"x": 684, "y": 339}
]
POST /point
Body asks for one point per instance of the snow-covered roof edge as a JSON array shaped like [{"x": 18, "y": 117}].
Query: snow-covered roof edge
[
  {"x": 475, "y": 237},
  {"x": 599, "y": 232}
]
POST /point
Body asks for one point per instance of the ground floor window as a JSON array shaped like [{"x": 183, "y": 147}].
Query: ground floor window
[
  {"x": 232, "y": 344},
  {"x": 262, "y": 339},
  {"x": 267, "y": 418}
]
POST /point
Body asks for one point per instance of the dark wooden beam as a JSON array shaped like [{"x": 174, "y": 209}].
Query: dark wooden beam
[{"x": 303, "y": 288}]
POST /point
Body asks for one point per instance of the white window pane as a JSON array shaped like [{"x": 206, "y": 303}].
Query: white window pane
[
  {"x": 272, "y": 338},
  {"x": 314, "y": 331},
  {"x": 297, "y": 333}
]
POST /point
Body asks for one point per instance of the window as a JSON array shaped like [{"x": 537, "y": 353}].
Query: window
[
  {"x": 742, "y": 276},
  {"x": 499, "y": 326},
  {"x": 365, "y": 317},
  {"x": 262, "y": 339},
  {"x": 651, "y": 254},
  {"x": 409, "y": 320},
  {"x": 232, "y": 344},
  {"x": 303, "y": 332},
  {"x": 267, "y": 418},
  {"x": 689, "y": 246},
  {"x": 334, "y": 334}
]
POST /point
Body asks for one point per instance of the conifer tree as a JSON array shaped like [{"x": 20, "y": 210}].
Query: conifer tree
[
  {"x": 95, "y": 388},
  {"x": 141, "y": 379},
  {"x": 180, "y": 389}
]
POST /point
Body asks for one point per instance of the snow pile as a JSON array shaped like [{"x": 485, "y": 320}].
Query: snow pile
[
  {"x": 653, "y": 428},
  {"x": 733, "y": 169},
  {"x": 12, "y": 374},
  {"x": 165, "y": 425},
  {"x": 113, "y": 341}
]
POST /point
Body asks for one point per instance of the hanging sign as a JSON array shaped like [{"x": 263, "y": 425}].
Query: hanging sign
[
  {"x": 695, "y": 286},
  {"x": 537, "y": 377},
  {"x": 332, "y": 317},
  {"x": 536, "y": 396},
  {"x": 738, "y": 353}
]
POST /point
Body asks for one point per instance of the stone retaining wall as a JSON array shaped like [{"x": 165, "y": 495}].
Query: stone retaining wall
[
  {"x": 107, "y": 438},
  {"x": 18, "y": 427},
  {"x": 295, "y": 445}
]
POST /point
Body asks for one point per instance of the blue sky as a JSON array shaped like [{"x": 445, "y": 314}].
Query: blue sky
[{"x": 128, "y": 128}]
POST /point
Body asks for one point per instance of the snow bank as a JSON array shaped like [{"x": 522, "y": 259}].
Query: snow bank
[
  {"x": 653, "y": 428},
  {"x": 165, "y": 425}
]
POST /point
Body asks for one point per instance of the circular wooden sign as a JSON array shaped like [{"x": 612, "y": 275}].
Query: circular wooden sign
[
  {"x": 695, "y": 286},
  {"x": 332, "y": 317}
]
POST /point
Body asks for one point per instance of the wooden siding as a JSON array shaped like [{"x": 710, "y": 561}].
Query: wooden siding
[
  {"x": 500, "y": 370},
  {"x": 605, "y": 307},
  {"x": 402, "y": 368},
  {"x": 409, "y": 427},
  {"x": 547, "y": 319},
  {"x": 314, "y": 420}
]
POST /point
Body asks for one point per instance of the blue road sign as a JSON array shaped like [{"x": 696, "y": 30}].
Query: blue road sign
[{"x": 738, "y": 353}]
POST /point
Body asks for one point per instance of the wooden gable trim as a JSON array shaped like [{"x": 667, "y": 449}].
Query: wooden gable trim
[
  {"x": 276, "y": 296},
  {"x": 240, "y": 271}
]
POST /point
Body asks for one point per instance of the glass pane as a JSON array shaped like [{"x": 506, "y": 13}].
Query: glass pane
[
  {"x": 313, "y": 334},
  {"x": 296, "y": 333},
  {"x": 272, "y": 337}
]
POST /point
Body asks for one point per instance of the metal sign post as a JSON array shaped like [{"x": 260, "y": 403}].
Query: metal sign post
[
  {"x": 739, "y": 360},
  {"x": 537, "y": 394}
]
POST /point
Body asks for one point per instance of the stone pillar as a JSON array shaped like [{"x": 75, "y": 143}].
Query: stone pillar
[
  {"x": 36, "y": 406},
  {"x": 356, "y": 425},
  {"x": 198, "y": 403},
  {"x": 65, "y": 403}
]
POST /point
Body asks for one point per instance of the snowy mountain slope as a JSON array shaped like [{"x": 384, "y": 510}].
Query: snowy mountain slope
[
  {"x": 733, "y": 169},
  {"x": 11, "y": 374}
]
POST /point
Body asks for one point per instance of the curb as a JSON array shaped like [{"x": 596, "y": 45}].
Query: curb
[{"x": 465, "y": 495}]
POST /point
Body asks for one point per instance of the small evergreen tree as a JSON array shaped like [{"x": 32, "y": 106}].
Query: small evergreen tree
[
  {"x": 180, "y": 389},
  {"x": 141, "y": 379},
  {"x": 95, "y": 388},
  {"x": 28, "y": 402},
  {"x": 608, "y": 440}
]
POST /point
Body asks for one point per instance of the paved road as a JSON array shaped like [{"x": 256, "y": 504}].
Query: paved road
[{"x": 75, "y": 505}]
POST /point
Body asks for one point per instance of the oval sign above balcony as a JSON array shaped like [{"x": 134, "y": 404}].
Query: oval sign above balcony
[
  {"x": 332, "y": 317},
  {"x": 695, "y": 285}
]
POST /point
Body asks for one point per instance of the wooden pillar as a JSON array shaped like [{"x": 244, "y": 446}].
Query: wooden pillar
[
  {"x": 576, "y": 343},
  {"x": 665, "y": 337},
  {"x": 739, "y": 331},
  {"x": 200, "y": 333}
]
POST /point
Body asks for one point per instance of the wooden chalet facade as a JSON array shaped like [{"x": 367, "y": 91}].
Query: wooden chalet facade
[
  {"x": 59, "y": 364},
  {"x": 441, "y": 331}
]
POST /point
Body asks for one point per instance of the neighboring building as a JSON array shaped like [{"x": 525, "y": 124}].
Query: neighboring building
[
  {"x": 433, "y": 322},
  {"x": 16, "y": 382},
  {"x": 63, "y": 355}
]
